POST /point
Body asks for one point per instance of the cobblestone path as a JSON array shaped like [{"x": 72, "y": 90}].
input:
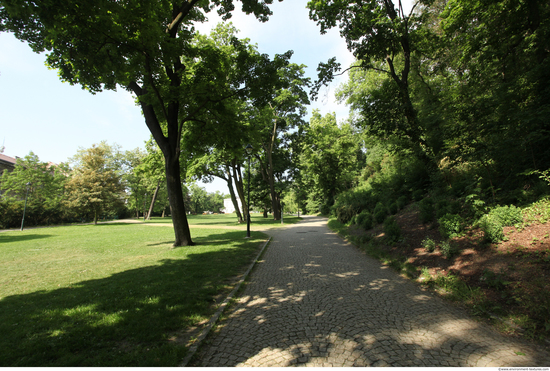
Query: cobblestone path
[{"x": 315, "y": 300}]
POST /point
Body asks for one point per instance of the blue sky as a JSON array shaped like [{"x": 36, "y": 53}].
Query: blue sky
[{"x": 39, "y": 113}]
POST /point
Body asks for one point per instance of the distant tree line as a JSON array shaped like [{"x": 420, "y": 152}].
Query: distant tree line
[{"x": 100, "y": 182}]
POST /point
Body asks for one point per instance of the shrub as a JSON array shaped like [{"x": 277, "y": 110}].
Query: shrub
[
  {"x": 538, "y": 211},
  {"x": 325, "y": 209},
  {"x": 491, "y": 224},
  {"x": 442, "y": 208},
  {"x": 418, "y": 195},
  {"x": 344, "y": 213},
  {"x": 380, "y": 216},
  {"x": 429, "y": 244},
  {"x": 364, "y": 219},
  {"x": 392, "y": 229},
  {"x": 492, "y": 229},
  {"x": 380, "y": 212},
  {"x": 507, "y": 215},
  {"x": 365, "y": 239},
  {"x": 401, "y": 202},
  {"x": 426, "y": 209},
  {"x": 393, "y": 208},
  {"x": 448, "y": 249},
  {"x": 450, "y": 225}
]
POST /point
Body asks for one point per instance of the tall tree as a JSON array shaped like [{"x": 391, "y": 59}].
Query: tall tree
[
  {"x": 329, "y": 158},
  {"x": 271, "y": 124},
  {"x": 501, "y": 64},
  {"x": 376, "y": 31},
  {"x": 247, "y": 119},
  {"x": 146, "y": 47},
  {"x": 42, "y": 182},
  {"x": 94, "y": 187},
  {"x": 150, "y": 172}
]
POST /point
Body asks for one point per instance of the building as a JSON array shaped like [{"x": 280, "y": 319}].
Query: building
[
  {"x": 228, "y": 206},
  {"x": 7, "y": 163}
]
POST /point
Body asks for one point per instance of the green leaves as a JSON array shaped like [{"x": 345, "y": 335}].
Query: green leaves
[
  {"x": 94, "y": 187},
  {"x": 328, "y": 159}
]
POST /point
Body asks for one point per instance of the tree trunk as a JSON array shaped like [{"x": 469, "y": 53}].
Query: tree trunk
[
  {"x": 232, "y": 193},
  {"x": 137, "y": 205},
  {"x": 170, "y": 147},
  {"x": 153, "y": 201},
  {"x": 175, "y": 195},
  {"x": 238, "y": 178},
  {"x": 271, "y": 176}
]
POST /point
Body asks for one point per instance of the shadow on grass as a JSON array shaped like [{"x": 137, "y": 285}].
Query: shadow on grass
[
  {"x": 131, "y": 318},
  {"x": 4, "y": 238}
]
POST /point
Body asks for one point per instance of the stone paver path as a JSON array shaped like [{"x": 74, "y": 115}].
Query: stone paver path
[{"x": 315, "y": 300}]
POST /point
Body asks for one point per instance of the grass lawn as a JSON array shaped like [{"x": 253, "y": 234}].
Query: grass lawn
[
  {"x": 111, "y": 294},
  {"x": 230, "y": 220}
]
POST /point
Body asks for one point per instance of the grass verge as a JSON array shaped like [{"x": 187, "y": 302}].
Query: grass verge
[
  {"x": 369, "y": 245},
  {"x": 111, "y": 295}
]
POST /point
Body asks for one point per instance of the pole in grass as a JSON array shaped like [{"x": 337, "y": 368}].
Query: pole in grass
[
  {"x": 249, "y": 151},
  {"x": 25, "y": 207}
]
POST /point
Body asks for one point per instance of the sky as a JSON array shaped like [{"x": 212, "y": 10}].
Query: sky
[{"x": 41, "y": 114}]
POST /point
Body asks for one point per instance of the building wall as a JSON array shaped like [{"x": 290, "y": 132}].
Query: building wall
[
  {"x": 228, "y": 207},
  {"x": 6, "y": 163}
]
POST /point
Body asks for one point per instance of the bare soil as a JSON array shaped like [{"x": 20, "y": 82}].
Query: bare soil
[{"x": 516, "y": 291}]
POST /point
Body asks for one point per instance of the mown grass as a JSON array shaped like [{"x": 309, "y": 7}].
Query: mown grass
[
  {"x": 110, "y": 295},
  {"x": 230, "y": 220}
]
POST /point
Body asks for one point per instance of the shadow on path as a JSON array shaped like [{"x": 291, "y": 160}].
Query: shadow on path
[{"x": 316, "y": 300}]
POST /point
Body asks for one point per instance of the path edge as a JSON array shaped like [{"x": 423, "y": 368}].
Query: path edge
[{"x": 193, "y": 349}]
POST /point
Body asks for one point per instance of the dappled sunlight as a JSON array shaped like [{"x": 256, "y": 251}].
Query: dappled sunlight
[
  {"x": 322, "y": 303},
  {"x": 420, "y": 297},
  {"x": 458, "y": 327},
  {"x": 346, "y": 275},
  {"x": 287, "y": 268},
  {"x": 379, "y": 284},
  {"x": 312, "y": 265},
  {"x": 257, "y": 301}
]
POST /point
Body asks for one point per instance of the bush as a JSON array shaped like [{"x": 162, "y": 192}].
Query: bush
[
  {"x": 364, "y": 220},
  {"x": 325, "y": 209},
  {"x": 401, "y": 202},
  {"x": 380, "y": 212},
  {"x": 393, "y": 208},
  {"x": 429, "y": 244},
  {"x": 11, "y": 214},
  {"x": 380, "y": 216},
  {"x": 507, "y": 215},
  {"x": 450, "y": 225},
  {"x": 491, "y": 224},
  {"x": 344, "y": 213},
  {"x": 442, "y": 208},
  {"x": 418, "y": 195},
  {"x": 392, "y": 229},
  {"x": 448, "y": 249},
  {"x": 492, "y": 229},
  {"x": 426, "y": 209}
]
